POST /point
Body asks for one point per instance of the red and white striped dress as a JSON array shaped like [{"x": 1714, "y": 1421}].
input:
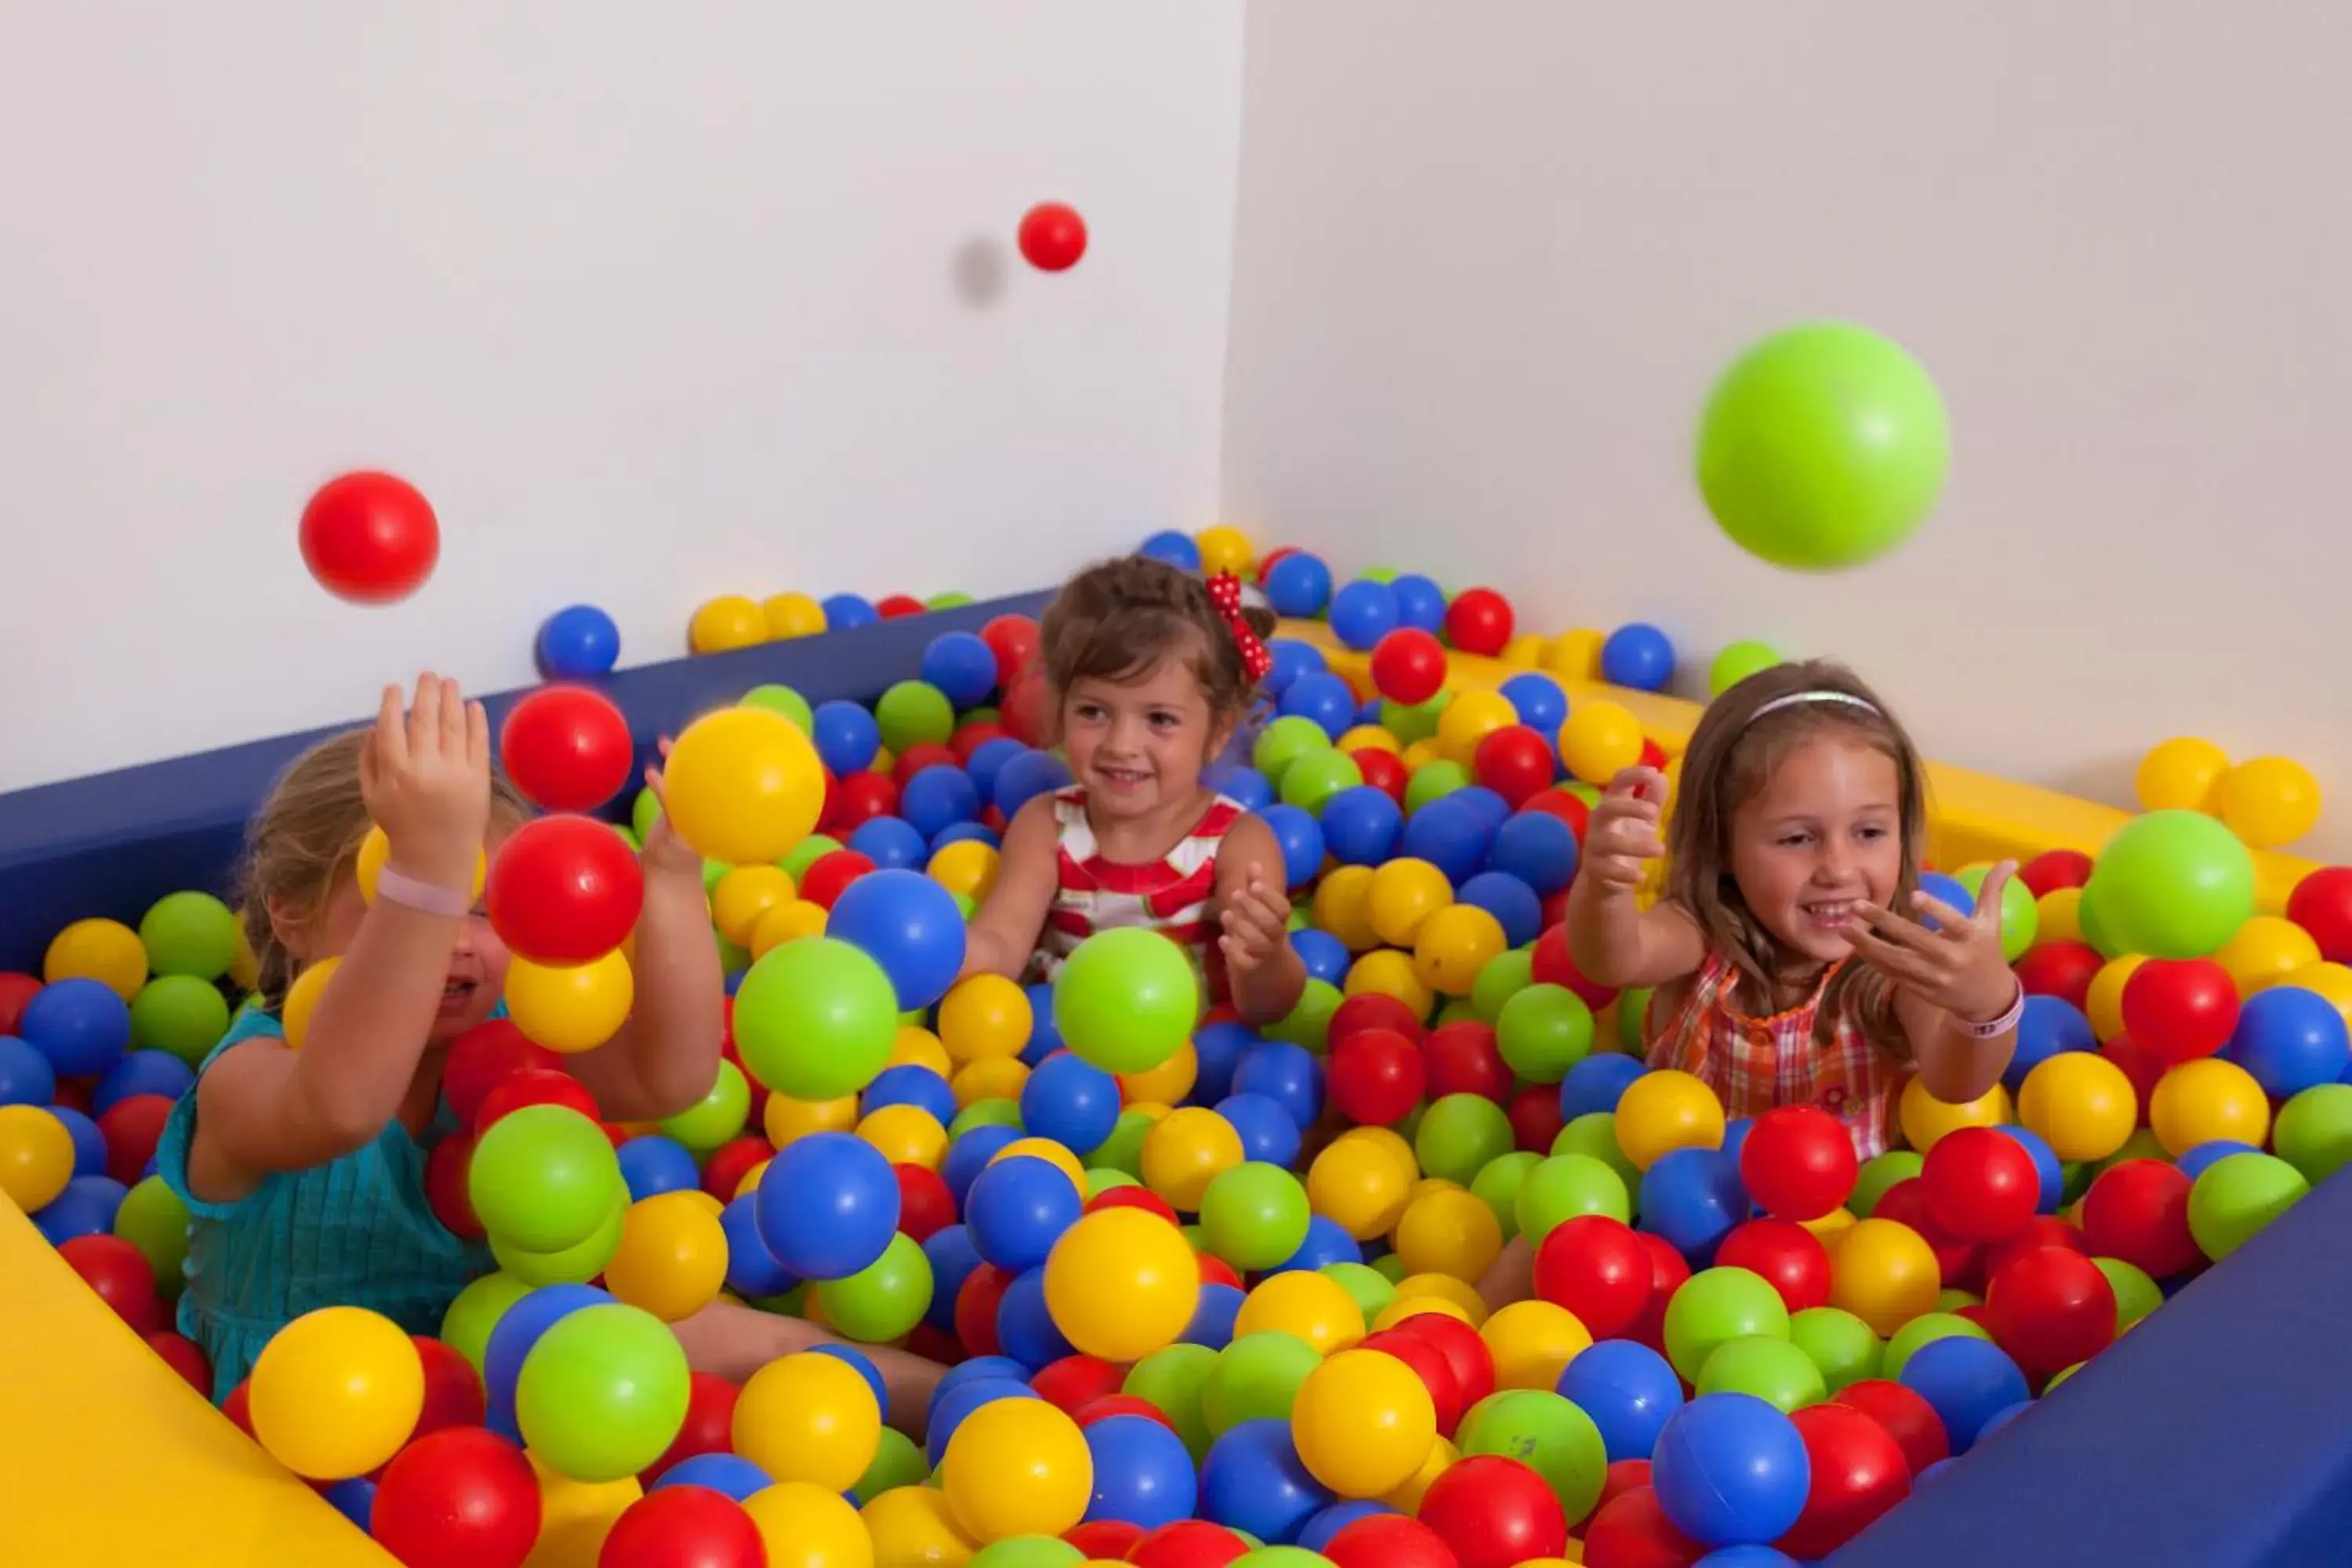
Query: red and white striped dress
[{"x": 1173, "y": 895}]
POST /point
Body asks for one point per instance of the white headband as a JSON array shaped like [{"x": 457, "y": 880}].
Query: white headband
[{"x": 1794, "y": 698}]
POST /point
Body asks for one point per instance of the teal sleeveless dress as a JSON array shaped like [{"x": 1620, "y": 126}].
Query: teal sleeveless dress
[{"x": 354, "y": 1232}]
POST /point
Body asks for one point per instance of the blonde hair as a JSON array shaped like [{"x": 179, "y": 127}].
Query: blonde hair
[
  {"x": 1744, "y": 735},
  {"x": 305, "y": 840}
]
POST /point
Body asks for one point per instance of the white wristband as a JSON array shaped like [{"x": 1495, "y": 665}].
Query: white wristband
[{"x": 422, "y": 897}]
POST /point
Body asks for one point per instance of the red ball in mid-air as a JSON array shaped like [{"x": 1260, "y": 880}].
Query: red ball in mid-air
[
  {"x": 567, "y": 748},
  {"x": 564, "y": 890},
  {"x": 1053, "y": 237},
  {"x": 1408, "y": 666},
  {"x": 369, "y": 538},
  {"x": 1479, "y": 621}
]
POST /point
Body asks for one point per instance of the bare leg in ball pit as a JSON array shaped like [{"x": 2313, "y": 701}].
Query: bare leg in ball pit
[{"x": 733, "y": 1341}]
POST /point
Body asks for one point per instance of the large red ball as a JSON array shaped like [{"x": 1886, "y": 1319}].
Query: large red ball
[
  {"x": 1427, "y": 1362},
  {"x": 567, "y": 748},
  {"x": 2322, "y": 905},
  {"x": 1859, "y": 1472},
  {"x": 1408, "y": 666},
  {"x": 1789, "y": 1258},
  {"x": 483, "y": 1057},
  {"x": 2060, "y": 969},
  {"x": 1462, "y": 1057},
  {"x": 2050, "y": 1307},
  {"x": 564, "y": 890},
  {"x": 369, "y": 538},
  {"x": 120, "y": 1275},
  {"x": 1634, "y": 1532},
  {"x": 1798, "y": 1163},
  {"x": 708, "y": 1427},
  {"x": 1494, "y": 1513},
  {"x": 462, "y": 1497},
  {"x": 1981, "y": 1184},
  {"x": 1375, "y": 1077},
  {"x": 1187, "y": 1543},
  {"x": 1515, "y": 762},
  {"x": 1480, "y": 621},
  {"x": 1053, "y": 237},
  {"x": 2181, "y": 1008},
  {"x": 684, "y": 1527},
  {"x": 2054, "y": 869},
  {"x": 1599, "y": 1269},
  {"x": 453, "y": 1389},
  {"x": 1905, "y": 1413},
  {"x": 2138, "y": 1211}
]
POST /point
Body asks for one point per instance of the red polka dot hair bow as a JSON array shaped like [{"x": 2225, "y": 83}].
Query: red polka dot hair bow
[{"x": 1226, "y": 592}]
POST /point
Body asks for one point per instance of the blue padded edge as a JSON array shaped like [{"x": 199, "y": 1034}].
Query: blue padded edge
[
  {"x": 111, "y": 843},
  {"x": 2217, "y": 1432}
]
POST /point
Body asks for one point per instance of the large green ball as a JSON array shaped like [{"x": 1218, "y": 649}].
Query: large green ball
[
  {"x": 885, "y": 1299},
  {"x": 1126, "y": 1001},
  {"x": 816, "y": 1019},
  {"x": 2235, "y": 1197},
  {"x": 189, "y": 933},
  {"x": 1823, "y": 447},
  {"x": 603, "y": 1394},
  {"x": 2172, "y": 884},
  {"x": 544, "y": 1178}
]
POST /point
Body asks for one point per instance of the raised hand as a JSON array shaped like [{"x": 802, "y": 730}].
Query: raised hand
[
  {"x": 1256, "y": 923},
  {"x": 425, "y": 776},
  {"x": 1622, "y": 837},
  {"x": 1958, "y": 965}
]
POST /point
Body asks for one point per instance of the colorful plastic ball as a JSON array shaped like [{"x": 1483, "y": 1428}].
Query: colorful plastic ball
[
  {"x": 1638, "y": 656},
  {"x": 2172, "y": 884},
  {"x": 1967, "y": 1381},
  {"x": 369, "y": 538},
  {"x": 743, "y": 784},
  {"x": 1798, "y": 1163},
  {"x": 2200, "y": 1102},
  {"x": 2290, "y": 1039},
  {"x": 462, "y": 1496},
  {"x": 336, "y": 1392},
  {"x": 2235, "y": 1198}
]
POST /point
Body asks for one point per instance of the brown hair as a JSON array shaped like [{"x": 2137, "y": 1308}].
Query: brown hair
[
  {"x": 305, "y": 840},
  {"x": 1732, "y": 752},
  {"x": 1118, "y": 620}
]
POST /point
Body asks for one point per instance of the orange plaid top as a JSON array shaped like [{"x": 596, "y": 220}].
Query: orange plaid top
[{"x": 1756, "y": 1064}]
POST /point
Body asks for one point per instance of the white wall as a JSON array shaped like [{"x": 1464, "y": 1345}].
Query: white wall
[
  {"x": 1491, "y": 255},
  {"x": 654, "y": 302}
]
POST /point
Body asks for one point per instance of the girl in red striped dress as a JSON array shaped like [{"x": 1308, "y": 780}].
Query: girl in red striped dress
[{"x": 1149, "y": 673}]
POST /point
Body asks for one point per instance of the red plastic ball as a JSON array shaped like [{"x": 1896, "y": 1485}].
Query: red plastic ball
[
  {"x": 1551, "y": 965},
  {"x": 1427, "y": 1362},
  {"x": 1905, "y": 1413},
  {"x": 567, "y": 748},
  {"x": 1106, "y": 1539},
  {"x": 1479, "y": 621},
  {"x": 564, "y": 890},
  {"x": 925, "y": 1205},
  {"x": 1462, "y": 1057},
  {"x": 1408, "y": 666},
  {"x": 463, "y": 1497},
  {"x": 1389, "y": 1541},
  {"x": 708, "y": 1427},
  {"x": 899, "y": 606},
  {"x": 132, "y": 1127},
  {"x": 1634, "y": 1532},
  {"x": 1515, "y": 762},
  {"x": 1375, "y": 1077},
  {"x": 445, "y": 1186},
  {"x": 2054, "y": 869},
  {"x": 1133, "y": 1197},
  {"x": 734, "y": 1160},
  {"x": 1076, "y": 1380},
  {"x": 862, "y": 797},
  {"x": 2322, "y": 905},
  {"x": 1599, "y": 1269},
  {"x": 1372, "y": 1010},
  {"x": 1187, "y": 1543},
  {"x": 830, "y": 874},
  {"x": 369, "y": 538},
  {"x": 2138, "y": 1211},
  {"x": 2181, "y": 1008},
  {"x": 976, "y": 1308},
  {"x": 17, "y": 988},
  {"x": 2050, "y": 1307},
  {"x": 1053, "y": 237},
  {"x": 1859, "y": 1472},
  {"x": 1981, "y": 1184},
  {"x": 1494, "y": 1512},
  {"x": 1463, "y": 1350},
  {"x": 1798, "y": 1163},
  {"x": 684, "y": 1527},
  {"x": 1668, "y": 1270},
  {"x": 453, "y": 1389},
  {"x": 1535, "y": 1121},
  {"x": 181, "y": 1354},
  {"x": 1383, "y": 770},
  {"x": 1014, "y": 640},
  {"x": 2060, "y": 969},
  {"x": 1785, "y": 1254},
  {"x": 1102, "y": 1407},
  {"x": 1905, "y": 1203},
  {"x": 121, "y": 1276},
  {"x": 483, "y": 1057},
  {"x": 534, "y": 1085}
]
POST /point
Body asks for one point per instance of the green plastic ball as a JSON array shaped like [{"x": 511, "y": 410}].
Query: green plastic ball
[
  {"x": 913, "y": 714},
  {"x": 603, "y": 1394},
  {"x": 544, "y": 1178},
  {"x": 1565, "y": 1186},
  {"x": 717, "y": 1116},
  {"x": 1544, "y": 1031},
  {"x": 2172, "y": 884},
  {"x": 189, "y": 933},
  {"x": 1737, "y": 662},
  {"x": 1127, "y": 998},
  {"x": 1841, "y": 1345},
  {"x": 179, "y": 1013},
  {"x": 884, "y": 1300},
  {"x": 1775, "y": 1371},
  {"x": 1254, "y": 1215},
  {"x": 1717, "y": 1305},
  {"x": 816, "y": 1019},
  {"x": 1458, "y": 1135},
  {"x": 1255, "y": 1378}
]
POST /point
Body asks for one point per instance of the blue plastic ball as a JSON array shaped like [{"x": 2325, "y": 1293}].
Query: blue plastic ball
[
  {"x": 80, "y": 1026},
  {"x": 729, "y": 1474},
  {"x": 909, "y": 925},
  {"x": 961, "y": 665},
  {"x": 1628, "y": 1389},
  {"x": 1327, "y": 958},
  {"x": 1969, "y": 1381},
  {"x": 1542, "y": 705},
  {"x": 1513, "y": 904},
  {"x": 1269, "y": 1134},
  {"x": 1730, "y": 1470},
  {"x": 1322, "y": 697},
  {"x": 892, "y": 843},
  {"x": 1020, "y": 780},
  {"x": 1363, "y": 826},
  {"x": 909, "y": 1083},
  {"x": 1363, "y": 612},
  {"x": 1298, "y": 585},
  {"x": 1074, "y": 1102},
  {"x": 578, "y": 642},
  {"x": 1693, "y": 1197},
  {"x": 1286, "y": 1074},
  {"x": 1597, "y": 1083},
  {"x": 653, "y": 1164},
  {"x": 1300, "y": 838},
  {"x": 25, "y": 1076},
  {"x": 1171, "y": 548},
  {"x": 848, "y": 739},
  {"x": 2048, "y": 1025},
  {"x": 1538, "y": 848},
  {"x": 1143, "y": 1473},
  {"x": 848, "y": 613},
  {"x": 1252, "y": 1479},
  {"x": 1421, "y": 603},
  {"x": 2290, "y": 1039},
  {"x": 1638, "y": 656},
  {"x": 828, "y": 1205},
  {"x": 752, "y": 1271},
  {"x": 936, "y": 798},
  {"x": 1018, "y": 1208}
]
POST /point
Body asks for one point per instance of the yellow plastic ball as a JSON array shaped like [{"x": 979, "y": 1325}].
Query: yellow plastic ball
[
  {"x": 2181, "y": 774},
  {"x": 573, "y": 1007},
  {"x": 905, "y": 1134},
  {"x": 1525, "y": 650},
  {"x": 1343, "y": 906},
  {"x": 916, "y": 1047},
  {"x": 1405, "y": 892},
  {"x": 967, "y": 867},
  {"x": 1184, "y": 1152},
  {"x": 375, "y": 850},
  {"x": 1166, "y": 1084},
  {"x": 1457, "y": 1293},
  {"x": 1225, "y": 548},
  {"x": 791, "y": 615},
  {"x": 1451, "y": 1232},
  {"x": 1473, "y": 715},
  {"x": 1017, "y": 1467},
  {"x": 1358, "y": 1186},
  {"x": 36, "y": 1156},
  {"x": 1386, "y": 971},
  {"x": 745, "y": 894},
  {"x": 743, "y": 784},
  {"x": 1454, "y": 946},
  {"x": 990, "y": 1078},
  {"x": 1368, "y": 737},
  {"x": 726, "y": 623},
  {"x": 336, "y": 1392},
  {"x": 2058, "y": 915},
  {"x": 1925, "y": 1119},
  {"x": 1599, "y": 740},
  {"x": 1054, "y": 1154},
  {"x": 2266, "y": 951},
  {"x": 805, "y": 1526},
  {"x": 2199, "y": 1102},
  {"x": 984, "y": 1015},
  {"x": 105, "y": 951},
  {"x": 1315, "y": 1307},
  {"x": 672, "y": 1258},
  {"x": 1575, "y": 654},
  {"x": 1404, "y": 1307},
  {"x": 2333, "y": 981},
  {"x": 786, "y": 1119},
  {"x": 2103, "y": 1003},
  {"x": 1363, "y": 1422},
  {"x": 1122, "y": 1283},
  {"x": 1533, "y": 1342},
  {"x": 809, "y": 1417},
  {"x": 2082, "y": 1104},
  {"x": 788, "y": 921},
  {"x": 575, "y": 1517},
  {"x": 1664, "y": 1110},
  {"x": 302, "y": 1000},
  {"x": 1885, "y": 1273},
  {"x": 913, "y": 1526},
  {"x": 2268, "y": 801}
]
